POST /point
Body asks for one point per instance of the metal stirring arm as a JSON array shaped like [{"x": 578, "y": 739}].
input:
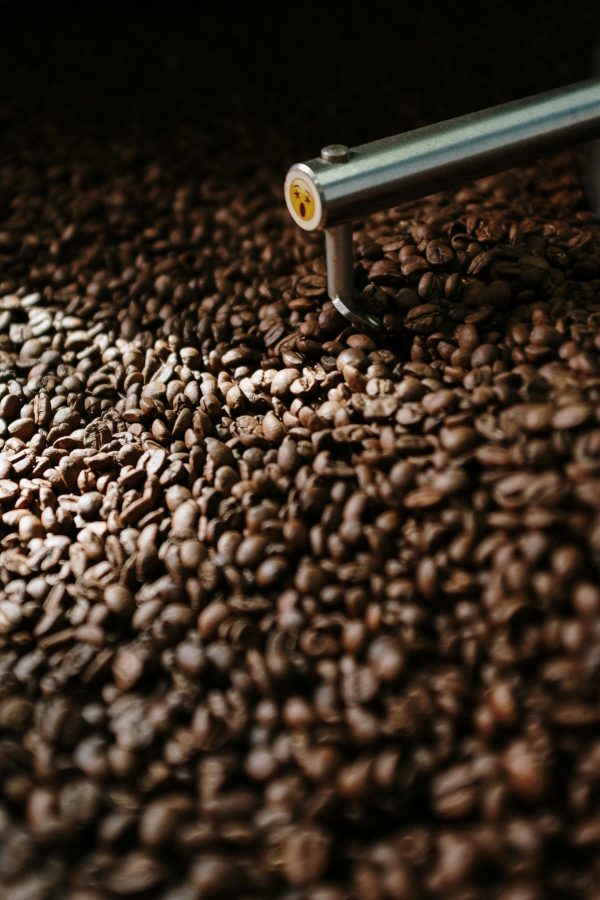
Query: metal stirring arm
[
  {"x": 328, "y": 192},
  {"x": 340, "y": 279}
]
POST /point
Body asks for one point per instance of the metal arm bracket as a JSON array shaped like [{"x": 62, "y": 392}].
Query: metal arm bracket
[{"x": 328, "y": 192}]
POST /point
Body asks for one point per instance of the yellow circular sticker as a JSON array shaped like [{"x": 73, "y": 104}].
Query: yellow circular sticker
[{"x": 302, "y": 199}]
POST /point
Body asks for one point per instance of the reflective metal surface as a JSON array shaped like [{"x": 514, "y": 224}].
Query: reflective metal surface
[
  {"x": 340, "y": 279},
  {"x": 383, "y": 173},
  {"x": 344, "y": 184}
]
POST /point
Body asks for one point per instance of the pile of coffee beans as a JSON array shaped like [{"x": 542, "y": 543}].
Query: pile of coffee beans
[{"x": 286, "y": 611}]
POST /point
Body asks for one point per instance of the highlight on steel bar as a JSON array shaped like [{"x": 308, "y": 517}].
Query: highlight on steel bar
[{"x": 328, "y": 192}]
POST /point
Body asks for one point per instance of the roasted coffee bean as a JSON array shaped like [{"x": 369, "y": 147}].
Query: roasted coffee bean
[
  {"x": 134, "y": 873},
  {"x": 438, "y": 253},
  {"x": 424, "y": 319},
  {"x": 305, "y": 853}
]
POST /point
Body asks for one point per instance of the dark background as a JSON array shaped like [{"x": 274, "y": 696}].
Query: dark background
[{"x": 277, "y": 85}]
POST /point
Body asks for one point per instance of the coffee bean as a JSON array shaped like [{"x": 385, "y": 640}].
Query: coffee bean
[
  {"x": 586, "y": 598},
  {"x": 457, "y": 440},
  {"x": 282, "y": 381},
  {"x": 135, "y": 872},
  {"x": 438, "y": 253},
  {"x": 571, "y": 416},
  {"x": 128, "y": 668},
  {"x": 273, "y": 429},
  {"x": 22, "y": 428},
  {"x": 386, "y": 271},
  {"x": 424, "y": 319},
  {"x": 89, "y": 503},
  {"x": 118, "y": 599},
  {"x": 305, "y": 854},
  {"x": 484, "y": 355},
  {"x": 526, "y": 770},
  {"x": 386, "y": 658},
  {"x": 30, "y": 527},
  {"x": 422, "y": 498},
  {"x": 8, "y": 490},
  {"x": 159, "y": 820},
  {"x": 251, "y": 550},
  {"x": 271, "y": 571}
]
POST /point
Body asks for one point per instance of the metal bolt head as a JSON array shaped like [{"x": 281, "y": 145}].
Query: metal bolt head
[{"x": 335, "y": 153}]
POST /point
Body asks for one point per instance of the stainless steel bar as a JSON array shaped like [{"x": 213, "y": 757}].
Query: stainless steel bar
[
  {"x": 340, "y": 278},
  {"x": 338, "y": 246},
  {"x": 383, "y": 173},
  {"x": 343, "y": 183}
]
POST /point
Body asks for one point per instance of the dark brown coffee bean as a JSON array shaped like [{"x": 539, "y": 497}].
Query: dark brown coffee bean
[
  {"x": 271, "y": 571},
  {"x": 282, "y": 381},
  {"x": 439, "y": 253},
  {"x": 128, "y": 668},
  {"x": 386, "y": 271},
  {"x": 457, "y": 440},
  {"x": 272, "y": 428},
  {"x": 159, "y": 820},
  {"x": 135, "y": 872},
  {"x": 305, "y": 854},
  {"x": 571, "y": 416},
  {"x": 22, "y": 428},
  {"x": 251, "y": 550},
  {"x": 586, "y": 598},
  {"x": 386, "y": 658},
  {"x": 526, "y": 770},
  {"x": 9, "y": 490},
  {"x": 424, "y": 319},
  {"x": 118, "y": 599}
]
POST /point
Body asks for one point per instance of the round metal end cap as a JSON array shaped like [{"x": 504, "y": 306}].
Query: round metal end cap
[{"x": 303, "y": 199}]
